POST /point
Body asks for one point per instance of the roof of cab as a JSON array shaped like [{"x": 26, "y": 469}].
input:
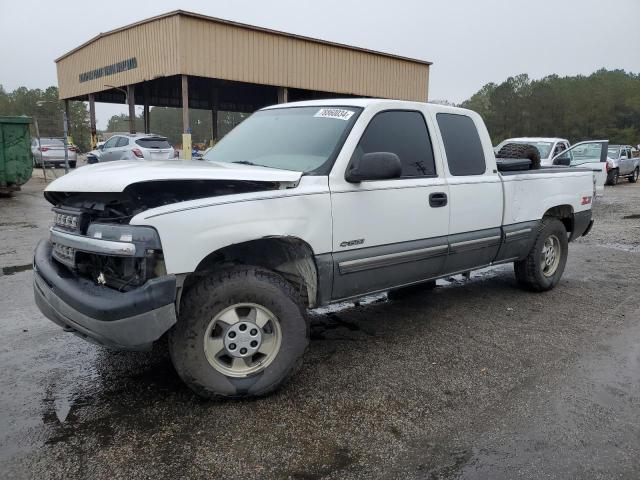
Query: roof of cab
[
  {"x": 537, "y": 139},
  {"x": 365, "y": 102}
]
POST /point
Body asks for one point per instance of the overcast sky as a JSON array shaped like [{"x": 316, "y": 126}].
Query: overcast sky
[{"x": 470, "y": 42}]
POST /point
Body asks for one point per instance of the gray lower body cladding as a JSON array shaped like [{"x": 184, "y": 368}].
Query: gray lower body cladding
[
  {"x": 582, "y": 223},
  {"x": 367, "y": 270}
]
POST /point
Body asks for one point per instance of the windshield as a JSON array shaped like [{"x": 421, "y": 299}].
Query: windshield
[
  {"x": 543, "y": 147},
  {"x": 303, "y": 139}
]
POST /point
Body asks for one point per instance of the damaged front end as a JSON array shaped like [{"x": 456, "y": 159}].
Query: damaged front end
[
  {"x": 92, "y": 237},
  {"x": 104, "y": 279}
]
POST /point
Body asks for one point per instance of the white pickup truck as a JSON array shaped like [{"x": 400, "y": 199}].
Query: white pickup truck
[{"x": 301, "y": 205}]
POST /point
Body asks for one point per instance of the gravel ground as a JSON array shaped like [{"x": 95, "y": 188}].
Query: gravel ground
[{"x": 476, "y": 379}]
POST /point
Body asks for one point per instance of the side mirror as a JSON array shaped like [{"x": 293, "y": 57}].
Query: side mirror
[
  {"x": 562, "y": 159},
  {"x": 374, "y": 166},
  {"x": 623, "y": 157}
]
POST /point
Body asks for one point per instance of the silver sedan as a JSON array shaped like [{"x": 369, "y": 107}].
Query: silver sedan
[{"x": 51, "y": 152}]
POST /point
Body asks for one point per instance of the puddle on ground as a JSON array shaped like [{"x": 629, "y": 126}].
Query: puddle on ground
[
  {"x": 632, "y": 217},
  {"x": 18, "y": 224},
  {"x": 16, "y": 269}
]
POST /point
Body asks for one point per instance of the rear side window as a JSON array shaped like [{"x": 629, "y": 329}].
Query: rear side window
[
  {"x": 403, "y": 133},
  {"x": 462, "y": 144},
  {"x": 122, "y": 142},
  {"x": 153, "y": 143}
]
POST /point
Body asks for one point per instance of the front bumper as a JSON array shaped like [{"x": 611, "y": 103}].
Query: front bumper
[{"x": 124, "y": 320}]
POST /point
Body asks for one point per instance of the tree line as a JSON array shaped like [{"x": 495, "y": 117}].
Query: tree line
[
  {"x": 45, "y": 107},
  {"x": 603, "y": 105}
]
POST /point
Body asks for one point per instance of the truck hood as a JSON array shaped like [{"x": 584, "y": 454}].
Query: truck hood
[{"x": 116, "y": 176}]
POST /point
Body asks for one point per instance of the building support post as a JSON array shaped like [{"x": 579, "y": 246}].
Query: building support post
[
  {"x": 131, "y": 100},
  {"x": 214, "y": 116},
  {"x": 67, "y": 114},
  {"x": 92, "y": 121},
  {"x": 283, "y": 94},
  {"x": 186, "y": 129},
  {"x": 145, "y": 111}
]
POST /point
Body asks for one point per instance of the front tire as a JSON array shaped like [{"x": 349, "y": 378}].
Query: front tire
[
  {"x": 542, "y": 268},
  {"x": 634, "y": 176},
  {"x": 208, "y": 345}
]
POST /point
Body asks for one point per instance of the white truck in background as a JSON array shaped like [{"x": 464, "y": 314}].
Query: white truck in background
[
  {"x": 548, "y": 147},
  {"x": 301, "y": 205},
  {"x": 559, "y": 152}
]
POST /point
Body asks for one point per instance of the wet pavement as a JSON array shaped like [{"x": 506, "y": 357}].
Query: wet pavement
[{"x": 476, "y": 379}]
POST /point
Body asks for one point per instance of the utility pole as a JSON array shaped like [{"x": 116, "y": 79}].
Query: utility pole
[
  {"x": 66, "y": 143},
  {"x": 44, "y": 167}
]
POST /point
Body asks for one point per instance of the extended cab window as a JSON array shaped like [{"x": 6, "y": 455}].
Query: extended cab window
[
  {"x": 403, "y": 133},
  {"x": 462, "y": 144}
]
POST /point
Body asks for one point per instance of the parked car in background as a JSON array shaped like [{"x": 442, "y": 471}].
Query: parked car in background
[
  {"x": 94, "y": 155},
  {"x": 621, "y": 163},
  {"x": 548, "y": 147},
  {"x": 51, "y": 152},
  {"x": 135, "y": 146}
]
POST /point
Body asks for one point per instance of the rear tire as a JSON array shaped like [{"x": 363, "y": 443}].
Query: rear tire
[
  {"x": 542, "y": 268},
  {"x": 634, "y": 176},
  {"x": 612, "y": 178},
  {"x": 266, "y": 306}
]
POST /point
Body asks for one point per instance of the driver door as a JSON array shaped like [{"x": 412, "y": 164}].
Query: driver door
[
  {"x": 591, "y": 155},
  {"x": 390, "y": 232}
]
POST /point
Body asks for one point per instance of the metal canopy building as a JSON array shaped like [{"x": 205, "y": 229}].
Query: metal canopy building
[{"x": 182, "y": 59}]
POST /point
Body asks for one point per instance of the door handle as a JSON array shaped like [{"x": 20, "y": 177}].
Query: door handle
[{"x": 438, "y": 199}]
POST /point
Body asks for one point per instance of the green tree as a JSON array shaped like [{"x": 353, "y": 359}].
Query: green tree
[
  {"x": 603, "y": 105},
  {"x": 45, "y": 107}
]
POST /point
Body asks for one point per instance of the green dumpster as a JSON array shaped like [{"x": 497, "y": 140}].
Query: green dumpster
[{"x": 16, "y": 163}]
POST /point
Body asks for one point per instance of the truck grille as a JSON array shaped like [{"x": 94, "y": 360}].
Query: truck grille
[
  {"x": 65, "y": 255},
  {"x": 68, "y": 220}
]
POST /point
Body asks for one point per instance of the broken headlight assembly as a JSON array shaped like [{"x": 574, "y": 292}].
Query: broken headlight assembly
[{"x": 122, "y": 257}]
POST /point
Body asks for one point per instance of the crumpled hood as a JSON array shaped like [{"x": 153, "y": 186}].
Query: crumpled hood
[{"x": 116, "y": 176}]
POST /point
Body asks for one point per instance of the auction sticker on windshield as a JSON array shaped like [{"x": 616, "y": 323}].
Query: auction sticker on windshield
[{"x": 338, "y": 113}]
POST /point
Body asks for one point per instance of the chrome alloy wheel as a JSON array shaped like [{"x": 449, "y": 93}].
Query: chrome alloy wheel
[
  {"x": 242, "y": 340},
  {"x": 551, "y": 252}
]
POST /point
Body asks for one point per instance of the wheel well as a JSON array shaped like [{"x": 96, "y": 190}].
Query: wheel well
[
  {"x": 291, "y": 257},
  {"x": 564, "y": 213}
]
